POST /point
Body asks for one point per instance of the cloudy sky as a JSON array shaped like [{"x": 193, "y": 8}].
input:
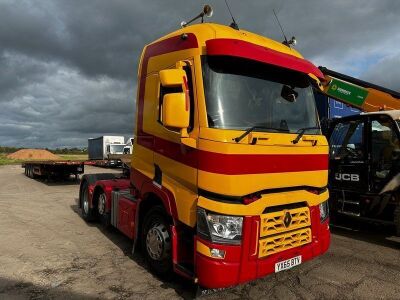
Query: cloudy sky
[{"x": 68, "y": 67}]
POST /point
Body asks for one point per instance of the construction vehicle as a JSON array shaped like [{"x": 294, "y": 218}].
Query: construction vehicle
[
  {"x": 364, "y": 176},
  {"x": 229, "y": 171}
]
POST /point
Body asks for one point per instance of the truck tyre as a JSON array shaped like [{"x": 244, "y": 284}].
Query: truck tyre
[
  {"x": 33, "y": 176},
  {"x": 103, "y": 215},
  {"x": 87, "y": 211},
  {"x": 156, "y": 241},
  {"x": 397, "y": 219}
]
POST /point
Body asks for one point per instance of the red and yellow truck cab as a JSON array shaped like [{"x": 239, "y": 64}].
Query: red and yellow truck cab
[{"x": 228, "y": 179}]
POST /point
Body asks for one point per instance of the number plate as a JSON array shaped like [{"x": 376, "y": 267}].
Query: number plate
[{"x": 287, "y": 264}]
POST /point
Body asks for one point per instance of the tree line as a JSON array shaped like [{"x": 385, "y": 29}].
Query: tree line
[{"x": 6, "y": 149}]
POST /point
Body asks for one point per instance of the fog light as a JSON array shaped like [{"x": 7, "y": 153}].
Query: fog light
[{"x": 217, "y": 253}]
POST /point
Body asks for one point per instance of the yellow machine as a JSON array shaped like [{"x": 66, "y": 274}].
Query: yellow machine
[
  {"x": 360, "y": 94},
  {"x": 364, "y": 165}
]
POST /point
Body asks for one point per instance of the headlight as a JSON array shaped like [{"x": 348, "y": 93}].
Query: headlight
[
  {"x": 219, "y": 228},
  {"x": 324, "y": 210}
]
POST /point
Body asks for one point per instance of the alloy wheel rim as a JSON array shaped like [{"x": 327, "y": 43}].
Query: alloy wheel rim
[
  {"x": 158, "y": 242},
  {"x": 101, "y": 204}
]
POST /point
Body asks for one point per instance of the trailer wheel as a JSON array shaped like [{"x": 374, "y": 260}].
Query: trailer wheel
[
  {"x": 33, "y": 176},
  {"x": 156, "y": 241},
  {"x": 397, "y": 219},
  {"x": 104, "y": 217},
  {"x": 87, "y": 211}
]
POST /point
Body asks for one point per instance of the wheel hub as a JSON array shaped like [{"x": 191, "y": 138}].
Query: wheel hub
[
  {"x": 158, "y": 242},
  {"x": 102, "y": 204}
]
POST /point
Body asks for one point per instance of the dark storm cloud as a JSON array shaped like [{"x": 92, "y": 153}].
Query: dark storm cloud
[
  {"x": 68, "y": 68},
  {"x": 17, "y": 71},
  {"x": 386, "y": 73}
]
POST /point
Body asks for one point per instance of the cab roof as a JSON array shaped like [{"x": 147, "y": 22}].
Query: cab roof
[
  {"x": 209, "y": 31},
  {"x": 394, "y": 114}
]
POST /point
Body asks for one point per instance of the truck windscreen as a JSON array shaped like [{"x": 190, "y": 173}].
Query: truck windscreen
[
  {"x": 117, "y": 148},
  {"x": 241, "y": 94}
]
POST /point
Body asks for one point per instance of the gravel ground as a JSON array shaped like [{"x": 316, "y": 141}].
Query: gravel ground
[{"x": 48, "y": 252}]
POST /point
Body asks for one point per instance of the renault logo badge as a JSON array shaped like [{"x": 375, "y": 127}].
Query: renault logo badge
[{"x": 288, "y": 219}]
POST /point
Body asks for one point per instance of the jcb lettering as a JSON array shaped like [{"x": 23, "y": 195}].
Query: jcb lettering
[{"x": 347, "y": 177}]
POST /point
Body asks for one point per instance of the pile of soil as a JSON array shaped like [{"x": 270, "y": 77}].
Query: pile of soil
[{"x": 33, "y": 154}]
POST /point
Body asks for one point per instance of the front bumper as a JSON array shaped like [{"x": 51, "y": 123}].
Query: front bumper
[{"x": 242, "y": 263}]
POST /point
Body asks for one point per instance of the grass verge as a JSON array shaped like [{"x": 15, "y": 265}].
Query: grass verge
[{"x": 4, "y": 160}]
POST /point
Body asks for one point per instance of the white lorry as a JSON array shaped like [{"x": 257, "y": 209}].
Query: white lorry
[
  {"x": 106, "y": 148},
  {"x": 128, "y": 145}
]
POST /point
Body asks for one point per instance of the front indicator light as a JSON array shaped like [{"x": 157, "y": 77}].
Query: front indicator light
[{"x": 323, "y": 211}]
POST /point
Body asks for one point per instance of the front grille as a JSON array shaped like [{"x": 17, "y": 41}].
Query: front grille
[
  {"x": 274, "y": 223},
  {"x": 285, "y": 241},
  {"x": 283, "y": 230}
]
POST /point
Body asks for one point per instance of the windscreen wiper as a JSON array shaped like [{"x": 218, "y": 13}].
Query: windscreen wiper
[
  {"x": 301, "y": 132},
  {"x": 239, "y": 138}
]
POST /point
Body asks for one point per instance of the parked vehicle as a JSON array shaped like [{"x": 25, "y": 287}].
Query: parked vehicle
[
  {"x": 229, "y": 169},
  {"x": 103, "y": 146},
  {"x": 365, "y": 167},
  {"x": 364, "y": 175},
  {"x": 53, "y": 169},
  {"x": 106, "y": 150},
  {"x": 129, "y": 145}
]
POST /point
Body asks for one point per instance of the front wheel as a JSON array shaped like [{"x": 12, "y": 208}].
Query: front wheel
[{"x": 156, "y": 241}]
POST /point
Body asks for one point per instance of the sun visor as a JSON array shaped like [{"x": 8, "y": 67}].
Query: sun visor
[{"x": 238, "y": 48}]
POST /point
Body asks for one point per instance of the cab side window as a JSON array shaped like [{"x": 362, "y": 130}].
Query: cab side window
[
  {"x": 188, "y": 71},
  {"x": 347, "y": 140},
  {"x": 385, "y": 145}
]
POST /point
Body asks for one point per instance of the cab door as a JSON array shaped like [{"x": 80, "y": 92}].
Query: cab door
[
  {"x": 385, "y": 150},
  {"x": 176, "y": 163},
  {"x": 349, "y": 166}
]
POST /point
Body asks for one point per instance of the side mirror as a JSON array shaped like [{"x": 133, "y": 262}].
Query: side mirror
[
  {"x": 172, "y": 78},
  {"x": 175, "y": 110},
  {"x": 175, "y": 106}
]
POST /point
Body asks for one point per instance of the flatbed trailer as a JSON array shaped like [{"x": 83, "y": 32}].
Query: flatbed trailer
[
  {"x": 104, "y": 163},
  {"x": 60, "y": 169},
  {"x": 113, "y": 161}
]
